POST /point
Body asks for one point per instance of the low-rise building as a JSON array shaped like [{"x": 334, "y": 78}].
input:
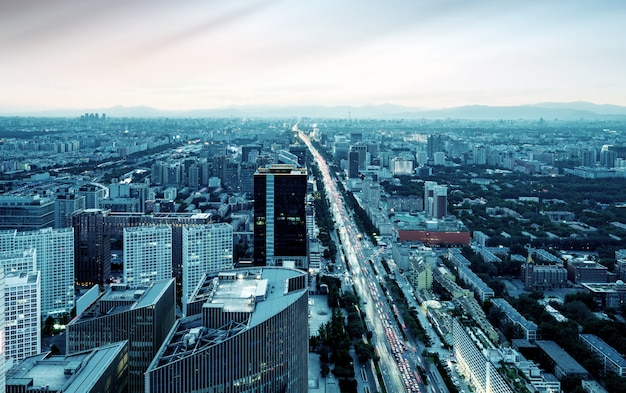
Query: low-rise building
[{"x": 612, "y": 361}]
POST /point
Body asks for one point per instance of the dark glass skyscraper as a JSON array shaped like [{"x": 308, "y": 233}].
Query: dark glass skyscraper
[{"x": 280, "y": 216}]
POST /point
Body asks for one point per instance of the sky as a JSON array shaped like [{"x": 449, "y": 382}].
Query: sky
[{"x": 197, "y": 54}]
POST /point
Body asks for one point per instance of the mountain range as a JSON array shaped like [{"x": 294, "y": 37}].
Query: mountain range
[{"x": 547, "y": 110}]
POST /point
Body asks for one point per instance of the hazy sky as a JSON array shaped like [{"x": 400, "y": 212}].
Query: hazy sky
[{"x": 203, "y": 54}]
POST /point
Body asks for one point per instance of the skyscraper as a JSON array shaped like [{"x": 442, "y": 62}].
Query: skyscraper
[
  {"x": 2, "y": 333},
  {"x": 143, "y": 316},
  {"x": 280, "y": 216},
  {"x": 147, "y": 254},
  {"x": 249, "y": 335},
  {"x": 206, "y": 248},
  {"x": 67, "y": 202},
  {"x": 22, "y": 315},
  {"x": 55, "y": 259},
  {"x": 92, "y": 248}
]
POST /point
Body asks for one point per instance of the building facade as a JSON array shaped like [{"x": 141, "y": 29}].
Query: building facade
[
  {"x": 206, "y": 248},
  {"x": 142, "y": 316},
  {"x": 92, "y": 248},
  {"x": 280, "y": 236},
  {"x": 479, "y": 371},
  {"x": 55, "y": 260},
  {"x": 22, "y": 312},
  {"x": 250, "y": 335},
  {"x": 147, "y": 254},
  {"x": 26, "y": 213}
]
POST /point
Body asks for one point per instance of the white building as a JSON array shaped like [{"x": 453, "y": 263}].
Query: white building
[
  {"x": 22, "y": 334},
  {"x": 54, "y": 259},
  {"x": 147, "y": 254},
  {"x": 479, "y": 372},
  {"x": 19, "y": 261},
  {"x": 2, "y": 334},
  {"x": 206, "y": 248}
]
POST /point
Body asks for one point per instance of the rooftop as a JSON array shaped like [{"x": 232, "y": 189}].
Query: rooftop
[
  {"x": 560, "y": 357},
  {"x": 605, "y": 349},
  {"x": 135, "y": 298},
  {"x": 258, "y": 292},
  {"x": 67, "y": 373}
]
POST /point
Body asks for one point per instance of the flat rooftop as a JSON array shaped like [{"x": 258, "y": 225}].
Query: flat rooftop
[
  {"x": 67, "y": 373},
  {"x": 560, "y": 357},
  {"x": 135, "y": 298}
]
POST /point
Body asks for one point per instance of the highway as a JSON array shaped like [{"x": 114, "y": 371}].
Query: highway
[{"x": 394, "y": 355}]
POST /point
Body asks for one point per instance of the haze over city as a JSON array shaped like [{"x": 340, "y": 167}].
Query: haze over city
[{"x": 198, "y": 54}]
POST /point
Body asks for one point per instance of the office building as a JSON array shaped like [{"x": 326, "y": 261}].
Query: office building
[
  {"x": 66, "y": 203},
  {"x": 147, "y": 254},
  {"x": 612, "y": 361},
  {"x": 280, "y": 216},
  {"x": 92, "y": 248},
  {"x": 116, "y": 222},
  {"x": 26, "y": 213},
  {"x": 54, "y": 250},
  {"x": 18, "y": 261},
  {"x": 3, "y": 365},
  {"x": 435, "y": 200},
  {"x": 101, "y": 370},
  {"x": 143, "y": 316},
  {"x": 479, "y": 372},
  {"x": 607, "y": 295},
  {"x": 586, "y": 272},
  {"x": 353, "y": 164},
  {"x": 250, "y": 334},
  {"x": 22, "y": 313},
  {"x": 206, "y": 248}
]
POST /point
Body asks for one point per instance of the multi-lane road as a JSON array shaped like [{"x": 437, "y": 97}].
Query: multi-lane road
[{"x": 394, "y": 355}]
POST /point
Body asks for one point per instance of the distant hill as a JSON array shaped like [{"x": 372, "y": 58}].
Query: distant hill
[{"x": 546, "y": 110}]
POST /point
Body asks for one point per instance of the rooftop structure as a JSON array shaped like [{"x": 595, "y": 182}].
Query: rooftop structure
[
  {"x": 104, "y": 369},
  {"x": 143, "y": 316},
  {"x": 249, "y": 332}
]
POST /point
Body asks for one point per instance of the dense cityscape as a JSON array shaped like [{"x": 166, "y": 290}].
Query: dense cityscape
[{"x": 312, "y": 255}]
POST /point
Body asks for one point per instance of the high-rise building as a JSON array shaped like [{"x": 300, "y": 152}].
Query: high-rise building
[
  {"x": 435, "y": 200},
  {"x": 116, "y": 222},
  {"x": 353, "y": 164},
  {"x": 147, "y": 254},
  {"x": 26, "y": 213},
  {"x": 206, "y": 248},
  {"x": 22, "y": 334},
  {"x": 249, "y": 153},
  {"x": 280, "y": 216},
  {"x": 93, "y": 193},
  {"x": 55, "y": 259},
  {"x": 143, "y": 316},
  {"x": 18, "y": 261},
  {"x": 104, "y": 369},
  {"x": 2, "y": 333},
  {"x": 66, "y": 203},
  {"x": 249, "y": 334},
  {"x": 92, "y": 248}
]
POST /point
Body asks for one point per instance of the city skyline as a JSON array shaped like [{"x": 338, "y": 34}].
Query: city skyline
[{"x": 197, "y": 55}]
